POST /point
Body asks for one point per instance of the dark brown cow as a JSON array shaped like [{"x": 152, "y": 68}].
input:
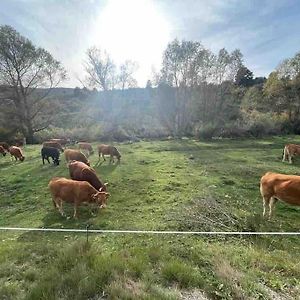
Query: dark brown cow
[
  {"x": 80, "y": 171},
  {"x": 71, "y": 154},
  {"x": 4, "y": 145},
  {"x": 2, "y": 151},
  {"x": 76, "y": 192},
  {"x": 109, "y": 150},
  {"x": 53, "y": 145},
  {"x": 16, "y": 152}
]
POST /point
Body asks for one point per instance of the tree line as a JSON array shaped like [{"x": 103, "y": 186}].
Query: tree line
[{"x": 196, "y": 93}]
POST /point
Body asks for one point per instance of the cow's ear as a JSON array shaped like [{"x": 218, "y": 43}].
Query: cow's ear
[
  {"x": 106, "y": 183},
  {"x": 101, "y": 189}
]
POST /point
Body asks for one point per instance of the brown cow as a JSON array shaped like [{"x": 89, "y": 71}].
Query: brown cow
[
  {"x": 80, "y": 171},
  {"x": 63, "y": 142},
  {"x": 71, "y": 154},
  {"x": 16, "y": 152},
  {"x": 109, "y": 150},
  {"x": 86, "y": 146},
  {"x": 53, "y": 145},
  {"x": 2, "y": 151},
  {"x": 289, "y": 151},
  {"x": 275, "y": 186},
  {"x": 75, "y": 192},
  {"x": 4, "y": 145}
]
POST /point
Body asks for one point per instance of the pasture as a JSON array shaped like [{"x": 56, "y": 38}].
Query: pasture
[{"x": 159, "y": 185}]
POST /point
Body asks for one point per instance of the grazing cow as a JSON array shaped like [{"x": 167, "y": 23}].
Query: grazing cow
[
  {"x": 290, "y": 151},
  {"x": 47, "y": 152},
  {"x": 53, "y": 145},
  {"x": 275, "y": 186},
  {"x": 109, "y": 150},
  {"x": 16, "y": 152},
  {"x": 4, "y": 145},
  {"x": 80, "y": 171},
  {"x": 71, "y": 154},
  {"x": 63, "y": 142},
  {"x": 2, "y": 151},
  {"x": 86, "y": 146},
  {"x": 75, "y": 192}
]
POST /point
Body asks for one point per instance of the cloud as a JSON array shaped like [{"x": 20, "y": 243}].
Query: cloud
[{"x": 264, "y": 30}]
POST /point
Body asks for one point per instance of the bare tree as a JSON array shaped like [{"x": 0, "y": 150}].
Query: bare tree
[
  {"x": 100, "y": 69},
  {"x": 125, "y": 77},
  {"x": 27, "y": 75}
]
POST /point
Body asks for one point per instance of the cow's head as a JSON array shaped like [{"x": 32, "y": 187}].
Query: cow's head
[
  {"x": 22, "y": 158},
  {"x": 4, "y": 153},
  {"x": 56, "y": 161},
  {"x": 101, "y": 198}
]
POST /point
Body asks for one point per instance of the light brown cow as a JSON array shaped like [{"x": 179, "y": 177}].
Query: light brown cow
[
  {"x": 2, "y": 151},
  {"x": 108, "y": 150},
  {"x": 275, "y": 186},
  {"x": 86, "y": 146},
  {"x": 80, "y": 171},
  {"x": 71, "y": 154},
  {"x": 16, "y": 152},
  {"x": 53, "y": 145},
  {"x": 63, "y": 142},
  {"x": 76, "y": 192},
  {"x": 289, "y": 151}
]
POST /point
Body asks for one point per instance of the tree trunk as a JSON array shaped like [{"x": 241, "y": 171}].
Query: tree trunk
[{"x": 29, "y": 135}]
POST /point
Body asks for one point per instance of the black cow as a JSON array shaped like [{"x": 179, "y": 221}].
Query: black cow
[{"x": 52, "y": 152}]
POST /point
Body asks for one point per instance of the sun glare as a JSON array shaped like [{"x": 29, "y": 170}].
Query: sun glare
[{"x": 132, "y": 29}]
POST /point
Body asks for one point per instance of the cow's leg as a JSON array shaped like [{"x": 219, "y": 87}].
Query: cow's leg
[
  {"x": 111, "y": 159},
  {"x": 75, "y": 211},
  {"x": 43, "y": 158},
  {"x": 290, "y": 158},
  {"x": 103, "y": 157},
  {"x": 266, "y": 201},
  {"x": 60, "y": 207},
  {"x": 271, "y": 206},
  {"x": 56, "y": 206},
  {"x": 284, "y": 155}
]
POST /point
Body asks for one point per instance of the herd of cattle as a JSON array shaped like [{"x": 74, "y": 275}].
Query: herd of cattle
[{"x": 85, "y": 185}]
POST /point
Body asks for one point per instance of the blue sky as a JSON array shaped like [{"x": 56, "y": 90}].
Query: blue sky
[{"x": 265, "y": 31}]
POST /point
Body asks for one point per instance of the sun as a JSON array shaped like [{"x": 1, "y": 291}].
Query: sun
[{"x": 133, "y": 29}]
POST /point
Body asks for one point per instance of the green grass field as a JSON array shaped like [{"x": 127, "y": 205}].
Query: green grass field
[{"x": 159, "y": 185}]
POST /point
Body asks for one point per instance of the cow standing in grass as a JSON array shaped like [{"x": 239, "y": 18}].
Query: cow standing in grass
[
  {"x": 2, "y": 151},
  {"x": 275, "y": 186},
  {"x": 290, "y": 151},
  {"x": 80, "y": 171},
  {"x": 86, "y": 147},
  {"x": 47, "y": 152},
  {"x": 4, "y": 145},
  {"x": 109, "y": 150},
  {"x": 53, "y": 145},
  {"x": 63, "y": 142},
  {"x": 71, "y": 154},
  {"x": 16, "y": 152},
  {"x": 76, "y": 192}
]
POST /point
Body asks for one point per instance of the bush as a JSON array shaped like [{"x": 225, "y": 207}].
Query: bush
[{"x": 206, "y": 132}]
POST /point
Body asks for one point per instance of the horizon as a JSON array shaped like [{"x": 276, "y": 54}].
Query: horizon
[{"x": 68, "y": 28}]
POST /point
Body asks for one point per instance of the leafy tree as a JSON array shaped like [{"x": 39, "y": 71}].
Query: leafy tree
[
  {"x": 28, "y": 74},
  {"x": 244, "y": 77}
]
